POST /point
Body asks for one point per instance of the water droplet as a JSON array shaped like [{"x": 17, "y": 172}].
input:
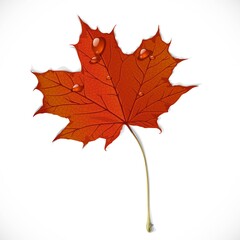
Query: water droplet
[
  {"x": 98, "y": 45},
  {"x": 94, "y": 59},
  {"x": 144, "y": 53},
  {"x": 152, "y": 57},
  {"x": 108, "y": 77},
  {"x": 140, "y": 94},
  {"x": 95, "y": 42},
  {"x": 77, "y": 88}
]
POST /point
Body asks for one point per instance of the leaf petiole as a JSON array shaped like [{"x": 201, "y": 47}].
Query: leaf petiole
[{"x": 149, "y": 224}]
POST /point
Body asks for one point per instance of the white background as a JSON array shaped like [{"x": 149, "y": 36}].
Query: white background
[{"x": 60, "y": 191}]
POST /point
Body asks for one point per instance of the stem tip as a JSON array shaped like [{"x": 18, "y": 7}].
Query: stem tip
[{"x": 149, "y": 227}]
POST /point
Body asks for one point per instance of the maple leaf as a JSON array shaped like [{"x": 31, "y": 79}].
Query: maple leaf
[{"x": 113, "y": 89}]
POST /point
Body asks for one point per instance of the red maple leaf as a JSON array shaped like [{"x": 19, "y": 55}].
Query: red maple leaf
[{"x": 113, "y": 89}]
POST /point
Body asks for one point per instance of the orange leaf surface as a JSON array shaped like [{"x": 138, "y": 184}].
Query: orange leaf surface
[{"x": 112, "y": 89}]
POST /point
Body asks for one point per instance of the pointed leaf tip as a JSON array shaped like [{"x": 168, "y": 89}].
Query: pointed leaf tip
[
  {"x": 157, "y": 34},
  {"x": 169, "y": 43},
  {"x": 84, "y": 25},
  {"x": 113, "y": 30},
  {"x": 178, "y": 60}
]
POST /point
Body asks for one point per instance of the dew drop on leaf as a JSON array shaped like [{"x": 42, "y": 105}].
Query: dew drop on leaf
[
  {"x": 108, "y": 77},
  {"x": 152, "y": 57},
  {"x": 77, "y": 88},
  {"x": 94, "y": 59},
  {"x": 144, "y": 53},
  {"x": 140, "y": 94},
  {"x": 98, "y": 45}
]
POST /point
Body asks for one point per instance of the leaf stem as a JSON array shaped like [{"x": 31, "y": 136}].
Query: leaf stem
[{"x": 149, "y": 224}]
